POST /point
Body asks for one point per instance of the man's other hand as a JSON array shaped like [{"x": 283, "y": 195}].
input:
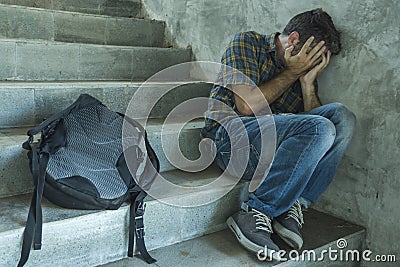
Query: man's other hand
[
  {"x": 301, "y": 63},
  {"x": 309, "y": 77}
]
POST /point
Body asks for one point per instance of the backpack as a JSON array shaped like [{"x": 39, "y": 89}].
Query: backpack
[{"x": 79, "y": 162}]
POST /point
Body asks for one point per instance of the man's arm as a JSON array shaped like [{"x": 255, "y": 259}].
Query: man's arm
[
  {"x": 310, "y": 97},
  {"x": 247, "y": 99},
  {"x": 270, "y": 90}
]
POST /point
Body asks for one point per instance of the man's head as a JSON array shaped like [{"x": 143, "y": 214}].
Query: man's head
[{"x": 315, "y": 23}]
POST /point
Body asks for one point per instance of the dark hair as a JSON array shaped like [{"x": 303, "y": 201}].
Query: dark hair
[{"x": 315, "y": 23}]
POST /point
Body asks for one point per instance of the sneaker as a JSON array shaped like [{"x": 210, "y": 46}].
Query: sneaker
[
  {"x": 253, "y": 230},
  {"x": 288, "y": 226}
]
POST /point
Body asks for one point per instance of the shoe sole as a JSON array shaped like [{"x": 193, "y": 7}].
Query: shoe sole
[
  {"x": 291, "y": 238},
  {"x": 244, "y": 241}
]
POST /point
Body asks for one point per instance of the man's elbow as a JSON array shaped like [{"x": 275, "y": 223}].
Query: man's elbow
[
  {"x": 242, "y": 105},
  {"x": 245, "y": 110}
]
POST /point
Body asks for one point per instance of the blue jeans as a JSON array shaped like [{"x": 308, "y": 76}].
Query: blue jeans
[{"x": 309, "y": 147}]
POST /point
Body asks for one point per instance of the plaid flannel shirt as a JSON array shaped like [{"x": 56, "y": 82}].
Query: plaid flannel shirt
[{"x": 254, "y": 55}]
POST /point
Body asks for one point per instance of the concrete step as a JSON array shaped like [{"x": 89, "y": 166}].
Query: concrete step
[
  {"x": 91, "y": 238},
  {"x": 29, "y": 60},
  {"x": 28, "y": 103},
  {"x": 321, "y": 232},
  {"x": 18, "y": 22},
  {"x": 119, "y": 8},
  {"x": 15, "y": 177}
]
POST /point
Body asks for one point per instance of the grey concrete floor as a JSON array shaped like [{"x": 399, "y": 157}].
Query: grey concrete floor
[
  {"x": 222, "y": 248},
  {"x": 218, "y": 249}
]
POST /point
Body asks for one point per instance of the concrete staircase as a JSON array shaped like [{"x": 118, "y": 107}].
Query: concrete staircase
[{"x": 52, "y": 51}]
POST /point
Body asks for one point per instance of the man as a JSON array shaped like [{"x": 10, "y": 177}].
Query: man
[{"x": 310, "y": 138}]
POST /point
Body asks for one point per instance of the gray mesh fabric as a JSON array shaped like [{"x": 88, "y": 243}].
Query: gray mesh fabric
[{"x": 94, "y": 144}]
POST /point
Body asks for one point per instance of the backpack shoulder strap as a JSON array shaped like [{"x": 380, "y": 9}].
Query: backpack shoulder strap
[
  {"x": 136, "y": 226},
  {"x": 33, "y": 228},
  {"x": 137, "y": 206}
]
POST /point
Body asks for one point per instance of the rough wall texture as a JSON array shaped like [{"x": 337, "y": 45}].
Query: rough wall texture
[{"x": 365, "y": 77}]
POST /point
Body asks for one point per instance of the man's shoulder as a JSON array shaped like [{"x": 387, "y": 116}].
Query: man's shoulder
[
  {"x": 249, "y": 35},
  {"x": 254, "y": 40}
]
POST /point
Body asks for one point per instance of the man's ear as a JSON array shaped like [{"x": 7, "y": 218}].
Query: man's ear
[{"x": 294, "y": 38}]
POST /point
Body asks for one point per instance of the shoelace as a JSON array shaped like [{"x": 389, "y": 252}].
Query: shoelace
[
  {"x": 263, "y": 222},
  {"x": 296, "y": 213}
]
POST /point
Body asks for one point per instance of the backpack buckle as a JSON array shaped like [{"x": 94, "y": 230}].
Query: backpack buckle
[
  {"x": 140, "y": 209},
  {"x": 140, "y": 232},
  {"x": 34, "y": 139}
]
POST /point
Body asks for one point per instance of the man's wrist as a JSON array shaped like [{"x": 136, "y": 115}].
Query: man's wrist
[
  {"x": 291, "y": 75},
  {"x": 305, "y": 83},
  {"x": 308, "y": 88},
  {"x": 309, "y": 94}
]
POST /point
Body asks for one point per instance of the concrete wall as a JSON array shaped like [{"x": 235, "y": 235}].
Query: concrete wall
[{"x": 365, "y": 76}]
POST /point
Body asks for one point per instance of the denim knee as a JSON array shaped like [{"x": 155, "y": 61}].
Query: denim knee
[
  {"x": 346, "y": 120},
  {"x": 325, "y": 130}
]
